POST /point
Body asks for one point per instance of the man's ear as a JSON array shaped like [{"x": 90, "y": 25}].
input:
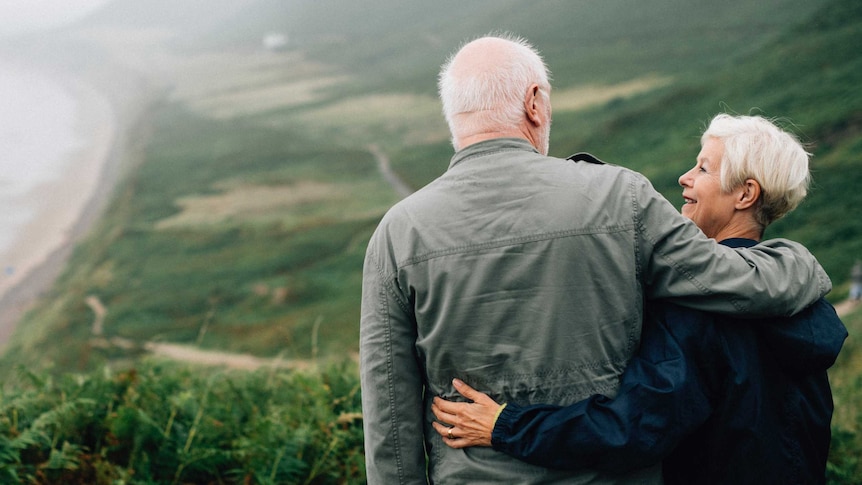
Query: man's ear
[
  {"x": 748, "y": 194},
  {"x": 533, "y": 104}
]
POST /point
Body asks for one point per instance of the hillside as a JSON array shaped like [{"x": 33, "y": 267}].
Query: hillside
[
  {"x": 243, "y": 226},
  {"x": 251, "y": 181}
]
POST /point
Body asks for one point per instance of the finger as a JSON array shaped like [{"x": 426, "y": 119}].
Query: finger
[
  {"x": 443, "y": 416},
  {"x": 444, "y": 405},
  {"x": 453, "y": 442},
  {"x": 435, "y": 408},
  {"x": 472, "y": 394},
  {"x": 438, "y": 403},
  {"x": 452, "y": 407},
  {"x": 464, "y": 389},
  {"x": 457, "y": 443},
  {"x": 441, "y": 430},
  {"x": 445, "y": 419}
]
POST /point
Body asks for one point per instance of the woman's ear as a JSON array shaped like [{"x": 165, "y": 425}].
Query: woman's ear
[{"x": 748, "y": 194}]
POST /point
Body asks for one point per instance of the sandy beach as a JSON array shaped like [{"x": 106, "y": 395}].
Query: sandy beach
[{"x": 65, "y": 208}]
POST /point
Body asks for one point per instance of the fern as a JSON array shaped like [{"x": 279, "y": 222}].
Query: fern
[{"x": 164, "y": 424}]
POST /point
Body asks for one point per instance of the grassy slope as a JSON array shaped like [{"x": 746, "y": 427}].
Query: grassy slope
[
  {"x": 215, "y": 285},
  {"x": 845, "y": 465}
]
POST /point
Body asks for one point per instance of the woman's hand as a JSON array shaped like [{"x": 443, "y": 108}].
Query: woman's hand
[{"x": 470, "y": 424}]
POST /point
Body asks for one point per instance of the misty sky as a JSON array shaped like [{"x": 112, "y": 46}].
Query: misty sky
[{"x": 17, "y": 16}]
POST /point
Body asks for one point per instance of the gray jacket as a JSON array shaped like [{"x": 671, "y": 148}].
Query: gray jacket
[{"x": 525, "y": 276}]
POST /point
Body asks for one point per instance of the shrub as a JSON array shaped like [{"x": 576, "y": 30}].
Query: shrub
[{"x": 161, "y": 423}]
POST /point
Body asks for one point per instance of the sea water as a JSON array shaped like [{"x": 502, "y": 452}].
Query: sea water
[{"x": 37, "y": 139}]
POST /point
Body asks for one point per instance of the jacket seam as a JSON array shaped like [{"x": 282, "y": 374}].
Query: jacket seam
[
  {"x": 384, "y": 303},
  {"x": 635, "y": 333},
  {"x": 389, "y": 285},
  {"x": 594, "y": 364},
  {"x": 511, "y": 242}
]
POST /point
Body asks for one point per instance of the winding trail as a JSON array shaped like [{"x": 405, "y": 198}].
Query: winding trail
[
  {"x": 400, "y": 187},
  {"x": 845, "y": 307},
  {"x": 184, "y": 353},
  {"x": 194, "y": 355}
]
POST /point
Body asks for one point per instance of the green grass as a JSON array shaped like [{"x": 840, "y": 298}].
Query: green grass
[
  {"x": 160, "y": 423},
  {"x": 845, "y": 466},
  {"x": 167, "y": 283},
  {"x": 216, "y": 282},
  {"x": 284, "y": 279}
]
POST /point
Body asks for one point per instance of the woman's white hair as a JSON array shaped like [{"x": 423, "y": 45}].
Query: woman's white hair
[
  {"x": 491, "y": 98},
  {"x": 755, "y": 148}
]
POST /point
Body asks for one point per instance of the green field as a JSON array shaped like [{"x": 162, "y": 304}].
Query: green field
[{"x": 242, "y": 228}]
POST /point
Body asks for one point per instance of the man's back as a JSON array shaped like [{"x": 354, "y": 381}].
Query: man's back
[{"x": 523, "y": 273}]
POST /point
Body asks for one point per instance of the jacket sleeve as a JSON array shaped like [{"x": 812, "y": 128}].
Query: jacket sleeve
[
  {"x": 664, "y": 395},
  {"x": 391, "y": 382},
  {"x": 813, "y": 337},
  {"x": 678, "y": 262}
]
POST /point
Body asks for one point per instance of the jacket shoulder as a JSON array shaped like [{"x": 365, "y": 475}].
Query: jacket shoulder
[
  {"x": 591, "y": 160},
  {"x": 637, "y": 179},
  {"x": 585, "y": 157}
]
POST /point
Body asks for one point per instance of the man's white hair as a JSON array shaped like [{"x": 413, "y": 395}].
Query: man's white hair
[
  {"x": 491, "y": 99},
  {"x": 755, "y": 148}
]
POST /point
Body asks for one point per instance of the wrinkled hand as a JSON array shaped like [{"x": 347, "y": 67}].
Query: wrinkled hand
[{"x": 471, "y": 423}]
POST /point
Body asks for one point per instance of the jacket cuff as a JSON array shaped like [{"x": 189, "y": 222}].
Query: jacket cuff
[
  {"x": 499, "y": 410},
  {"x": 506, "y": 417}
]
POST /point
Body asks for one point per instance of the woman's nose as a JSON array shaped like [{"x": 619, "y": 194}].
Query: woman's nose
[{"x": 685, "y": 179}]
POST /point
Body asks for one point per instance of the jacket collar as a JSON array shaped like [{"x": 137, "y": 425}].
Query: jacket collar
[
  {"x": 491, "y": 146},
  {"x": 738, "y": 242}
]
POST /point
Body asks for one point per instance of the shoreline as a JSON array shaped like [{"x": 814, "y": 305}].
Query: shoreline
[{"x": 67, "y": 207}]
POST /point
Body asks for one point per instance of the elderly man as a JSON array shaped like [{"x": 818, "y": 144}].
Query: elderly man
[{"x": 524, "y": 275}]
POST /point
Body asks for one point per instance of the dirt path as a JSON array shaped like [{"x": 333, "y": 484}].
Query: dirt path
[
  {"x": 194, "y": 355},
  {"x": 845, "y": 307},
  {"x": 184, "y": 353},
  {"x": 400, "y": 187}
]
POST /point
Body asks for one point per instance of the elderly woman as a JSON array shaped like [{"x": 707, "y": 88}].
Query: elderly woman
[{"x": 716, "y": 400}]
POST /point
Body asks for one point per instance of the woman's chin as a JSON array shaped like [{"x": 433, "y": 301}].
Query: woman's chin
[{"x": 687, "y": 211}]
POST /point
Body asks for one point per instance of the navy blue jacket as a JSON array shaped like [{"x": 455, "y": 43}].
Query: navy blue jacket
[{"x": 718, "y": 400}]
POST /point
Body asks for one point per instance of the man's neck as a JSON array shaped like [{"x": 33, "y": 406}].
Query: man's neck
[
  {"x": 480, "y": 137},
  {"x": 520, "y": 132}
]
